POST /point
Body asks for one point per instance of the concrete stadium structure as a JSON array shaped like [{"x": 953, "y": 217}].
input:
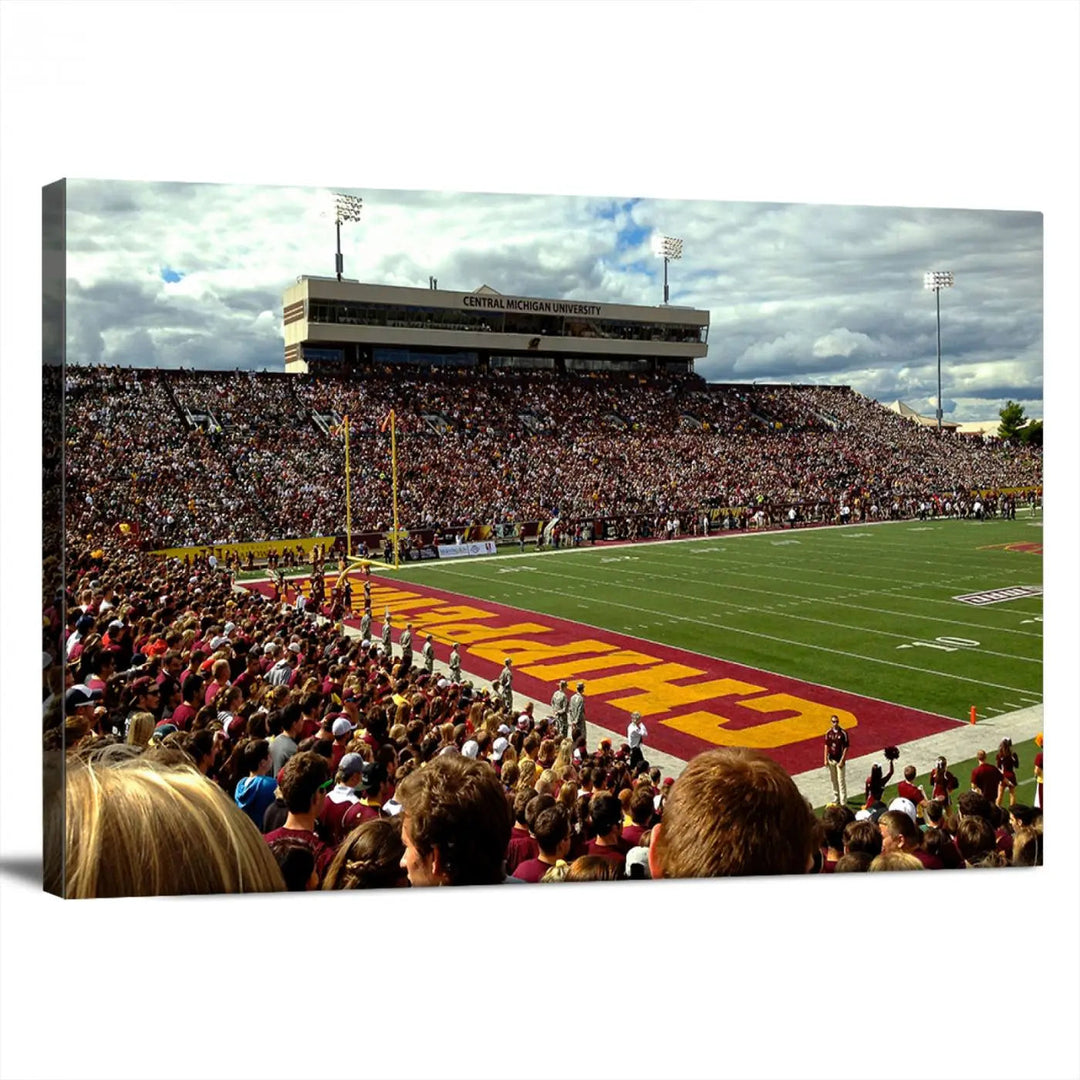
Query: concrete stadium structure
[{"x": 336, "y": 326}]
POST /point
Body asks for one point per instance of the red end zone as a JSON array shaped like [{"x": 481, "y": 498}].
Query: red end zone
[{"x": 689, "y": 702}]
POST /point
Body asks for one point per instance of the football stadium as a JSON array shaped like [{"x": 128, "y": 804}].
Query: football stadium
[{"x": 480, "y": 588}]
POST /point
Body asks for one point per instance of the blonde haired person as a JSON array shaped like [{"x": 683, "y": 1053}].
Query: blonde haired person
[
  {"x": 895, "y": 860},
  {"x": 140, "y": 729},
  {"x": 546, "y": 783},
  {"x": 142, "y": 828},
  {"x": 564, "y": 758},
  {"x": 526, "y": 772}
]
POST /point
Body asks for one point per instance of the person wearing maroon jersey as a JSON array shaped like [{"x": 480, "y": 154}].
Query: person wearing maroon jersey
[
  {"x": 552, "y": 829},
  {"x": 836, "y": 752},
  {"x": 373, "y": 788},
  {"x": 251, "y": 675},
  {"x": 641, "y": 815},
  {"x": 900, "y": 833},
  {"x": 1008, "y": 762},
  {"x": 986, "y": 778},
  {"x": 341, "y": 731},
  {"x": 834, "y": 821},
  {"x": 908, "y": 789},
  {"x": 521, "y": 844},
  {"x": 341, "y": 798},
  {"x": 305, "y": 780},
  {"x": 605, "y": 815}
]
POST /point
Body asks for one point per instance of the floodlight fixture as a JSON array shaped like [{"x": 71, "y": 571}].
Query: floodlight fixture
[
  {"x": 667, "y": 248},
  {"x": 346, "y": 208},
  {"x": 938, "y": 280}
]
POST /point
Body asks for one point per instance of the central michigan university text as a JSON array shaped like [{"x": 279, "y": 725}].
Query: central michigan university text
[{"x": 552, "y": 307}]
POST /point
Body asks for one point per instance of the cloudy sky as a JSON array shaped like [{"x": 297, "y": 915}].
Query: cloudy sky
[{"x": 191, "y": 275}]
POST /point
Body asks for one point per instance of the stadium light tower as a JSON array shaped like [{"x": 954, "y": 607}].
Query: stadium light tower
[
  {"x": 667, "y": 248},
  {"x": 938, "y": 280},
  {"x": 347, "y": 208}
]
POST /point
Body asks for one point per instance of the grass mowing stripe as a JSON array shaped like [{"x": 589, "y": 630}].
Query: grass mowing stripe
[
  {"x": 787, "y": 615},
  {"x": 767, "y": 637}
]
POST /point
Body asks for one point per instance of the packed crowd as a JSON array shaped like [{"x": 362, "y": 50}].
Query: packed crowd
[
  {"x": 490, "y": 449},
  {"x": 277, "y": 751}
]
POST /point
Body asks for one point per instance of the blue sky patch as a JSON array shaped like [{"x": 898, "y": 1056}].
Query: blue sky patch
[{"x": 170, "y": 275}]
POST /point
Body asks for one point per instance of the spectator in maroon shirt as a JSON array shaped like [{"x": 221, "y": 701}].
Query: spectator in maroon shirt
[
  {"x": 641, "y": 815},
  {"x": 340, "y": 799},
  {"x": 552, "y": 831},
  {"x": 833, "y": 822},
  {"x": 977, "y": 843},
  {"x": 305, "y": 780},
  {"x": 221, "y": 671},
  {"x": 900, "y": 833},
  {"x": 373, "y": 788},
  {"x": 944, "y": 845},
  {"x": 605, "y": 816},
  {"x": 191, "y": 691},
  {"x": 986, "y": 778},
  {"x": 522, "y": 844},
  {"x": 341, "y": 731},
  {"x": 908, "y": 789}
]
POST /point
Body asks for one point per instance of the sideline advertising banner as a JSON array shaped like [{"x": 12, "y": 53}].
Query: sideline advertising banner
[{"x": 457, "y": 551}]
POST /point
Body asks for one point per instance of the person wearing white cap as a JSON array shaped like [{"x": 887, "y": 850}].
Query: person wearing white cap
[
  {"x": 341, "y": 730},
  {"x": 471, "y": 748},
  {"x": 498, "y": 748},
  {"x": 341, "y": 797},
  {"x": 455, "y": 664}
]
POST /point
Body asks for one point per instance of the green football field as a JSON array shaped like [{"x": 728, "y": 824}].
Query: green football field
[{"x": 870, "y": 609}]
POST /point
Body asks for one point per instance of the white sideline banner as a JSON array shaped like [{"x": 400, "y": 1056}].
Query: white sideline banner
[{"x": 457, "y": 551}]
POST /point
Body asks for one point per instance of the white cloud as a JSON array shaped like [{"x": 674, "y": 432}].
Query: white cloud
[
  {"x": 841, "y": 342},
  {"x": 804, "y": 292}
]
